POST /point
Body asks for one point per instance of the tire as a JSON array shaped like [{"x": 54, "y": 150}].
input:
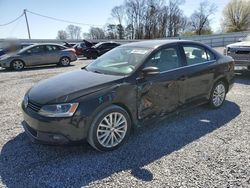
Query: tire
[
  {"x": 17, "y": 65},
  {"x": 218, "y": 95},
  {"x": 64, "y": 61},
  {"x": 105, "y": 137},
  {"x": 95, "y": 55},
  {"x": 248, "y": 67}
]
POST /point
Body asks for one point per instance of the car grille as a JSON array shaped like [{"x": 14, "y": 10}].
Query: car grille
[{"x": 34, "y": 106}]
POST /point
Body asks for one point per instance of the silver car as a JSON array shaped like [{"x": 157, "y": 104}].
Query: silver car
[
  {"x": 240, "y": 52},
  {"x": 38, "y": 54}
]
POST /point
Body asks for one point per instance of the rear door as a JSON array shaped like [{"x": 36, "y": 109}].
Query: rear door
[
  {"x": 159, "y": 94},
  {"x": 198, "y": 73},
  {"x": 52, "y": 54}
]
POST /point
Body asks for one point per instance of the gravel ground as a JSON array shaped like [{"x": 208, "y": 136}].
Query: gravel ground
[{"x": 198, "y": 148}]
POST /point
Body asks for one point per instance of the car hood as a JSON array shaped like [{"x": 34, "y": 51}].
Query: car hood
[
  {"x": 68, "y": 86},
  {"x": 8, "y": 55},
  {"x": 239, "y": 44}
]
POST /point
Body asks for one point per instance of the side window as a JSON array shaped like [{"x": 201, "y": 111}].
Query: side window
[
  {"x": 197, "y": 54},
  {"x": 37, "y": 49},
  {"x": 165, "y": 60}
]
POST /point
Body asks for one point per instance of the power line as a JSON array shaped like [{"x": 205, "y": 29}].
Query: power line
[
  {"x": 61, "y": 20},
  {"x": 12, "y": 20}
]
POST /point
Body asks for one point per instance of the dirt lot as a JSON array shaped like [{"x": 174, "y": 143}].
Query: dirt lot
[{"x": 198, "y": 148}]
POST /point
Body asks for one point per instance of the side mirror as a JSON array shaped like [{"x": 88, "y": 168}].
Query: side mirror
[{"x": 150, "y": 71}]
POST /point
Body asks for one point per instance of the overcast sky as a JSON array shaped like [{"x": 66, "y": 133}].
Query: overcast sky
[{"x": 96, "y": 12}]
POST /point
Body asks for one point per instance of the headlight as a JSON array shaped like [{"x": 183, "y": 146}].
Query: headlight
[{"x": 59, "y": 110}]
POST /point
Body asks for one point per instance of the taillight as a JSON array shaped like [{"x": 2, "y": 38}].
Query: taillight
[{"x": 73, "y": 50}]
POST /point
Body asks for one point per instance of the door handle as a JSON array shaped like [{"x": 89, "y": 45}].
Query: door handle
[{"x": 183, "y": 78}]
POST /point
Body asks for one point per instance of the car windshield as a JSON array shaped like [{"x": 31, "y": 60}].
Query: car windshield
[
  {"x": 119, "y": 61},
  {"x": 24, "y": 49}
]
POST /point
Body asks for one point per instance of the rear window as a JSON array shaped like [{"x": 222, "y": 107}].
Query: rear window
[{"x": 197, "y": 54}]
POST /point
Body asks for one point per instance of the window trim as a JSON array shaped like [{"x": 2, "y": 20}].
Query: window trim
[{"x": 182, "y": 45}]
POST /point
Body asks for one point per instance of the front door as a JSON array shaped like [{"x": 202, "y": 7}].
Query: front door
[
  {"x": 159, "y": 94},
  {"x": 35, "y": 56}
]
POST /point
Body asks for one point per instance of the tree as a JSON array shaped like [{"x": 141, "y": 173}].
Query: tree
[
  {"x": 62, "y": 35},
  {"x": 175, "y": 17},
  {"x": 74, "y": 32},
  {"x": 200, "y": 19},
  {"x": 118, "y": 13},
  {"x": 237, "y": 15},
  {"x": 96, "y": 33}
]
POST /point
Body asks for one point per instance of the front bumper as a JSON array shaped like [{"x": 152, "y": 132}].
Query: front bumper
[
  {"x": 4, "y": 64},
  {"x": 53, "y": 130},
  {"x": 44, "y": 137}
]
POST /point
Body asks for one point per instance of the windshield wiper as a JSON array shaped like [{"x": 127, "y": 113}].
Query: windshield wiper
[{"x": 96, "y": 71}]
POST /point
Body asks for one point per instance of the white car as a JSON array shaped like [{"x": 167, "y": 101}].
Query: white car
[{"x": 240, "y": 52}]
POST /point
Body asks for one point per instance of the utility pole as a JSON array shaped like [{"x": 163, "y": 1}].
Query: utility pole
[{"x": 27, "y": 23}]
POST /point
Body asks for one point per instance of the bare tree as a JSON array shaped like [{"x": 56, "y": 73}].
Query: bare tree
[
  {"x": 74, "y": 32},
  {"x": 62, "y": 35},
  {"x": 118, "y": 13},
  {"x": 200, "y": 19},
  {"x": 236, "y": 15},
  {"x": 96, "y": 33},
  {"x": 175, "y": 17}
]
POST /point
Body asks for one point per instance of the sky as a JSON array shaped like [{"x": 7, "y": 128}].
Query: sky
[{"x": 96, "y": 12}]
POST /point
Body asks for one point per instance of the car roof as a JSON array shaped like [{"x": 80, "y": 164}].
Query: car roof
[{"x": 155, "y": 43}]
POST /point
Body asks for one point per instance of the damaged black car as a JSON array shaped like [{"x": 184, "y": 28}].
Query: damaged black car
[{"x": 131, "y": 85}]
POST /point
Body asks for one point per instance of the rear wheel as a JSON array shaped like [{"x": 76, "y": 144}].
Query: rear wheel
[
  {"x": 94, "y": 55},
  {"x": 218, "y": 95},
  {"x": 17, "y": 65},
  {"x": 109, "y": 129},
  {"x": 64, "y": 61}
]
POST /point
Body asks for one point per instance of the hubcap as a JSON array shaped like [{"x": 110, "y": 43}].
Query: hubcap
[
  {"x": 112, "y": 129},
  {"x": 17, "y": 65},
  {"x": 219, "y": 95},
  {"x": 65, "y": 61}
]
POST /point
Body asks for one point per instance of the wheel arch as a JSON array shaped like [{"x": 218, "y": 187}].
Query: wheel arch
[
  {"x": 64, "y": 57},
  {"x": 224, "y": 80}
]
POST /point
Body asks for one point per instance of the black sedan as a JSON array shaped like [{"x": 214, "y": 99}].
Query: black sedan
[
  {"x": 131, "y": 85},
  {"x": 99, "y": 49}
]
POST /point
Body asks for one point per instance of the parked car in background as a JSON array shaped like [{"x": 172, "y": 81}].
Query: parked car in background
[
  {"x": 13, "y": 48},
  {"x": 39, "y": 54},
  {"x": 240, "y": 52},
  {"x": 131, "y": 85},
  {"x": 99, "y": 49},
  {"x": 69, "y": 45},
  {"x": 82, "y": 46}
]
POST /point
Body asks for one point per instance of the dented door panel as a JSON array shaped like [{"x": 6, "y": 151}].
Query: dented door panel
[{"x": 158, "y": 95}]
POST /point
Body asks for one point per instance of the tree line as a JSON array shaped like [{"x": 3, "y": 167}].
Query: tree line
[{"x": 149, "y": 19}]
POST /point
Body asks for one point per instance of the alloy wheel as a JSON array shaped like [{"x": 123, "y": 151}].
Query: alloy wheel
[
  {"x": 65, "y": 61},
  {"x": 112, "y": 130},
  {"x": 17, "y": 65},
  {"x": 219, "y": 95}
]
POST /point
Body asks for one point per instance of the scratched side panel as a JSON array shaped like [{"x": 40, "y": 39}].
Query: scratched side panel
[{"x": 123, "y": 94}]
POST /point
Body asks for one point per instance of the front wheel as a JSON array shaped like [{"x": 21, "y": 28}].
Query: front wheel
[
  {"x": 218, "y": 95},
  {"x": 17, "y": 65},
  {"x": 109, "y": 129}
]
